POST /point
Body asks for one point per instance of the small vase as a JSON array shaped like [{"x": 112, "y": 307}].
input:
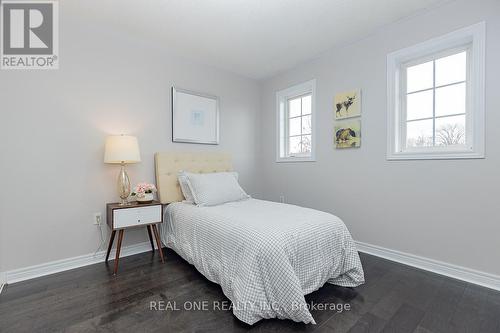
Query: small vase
[{"x": 145, "y": 198}]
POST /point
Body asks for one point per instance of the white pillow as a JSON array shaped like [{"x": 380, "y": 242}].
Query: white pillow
[
  {"x": 210, "y": 189},
  {"x": 186, "y": 191}
]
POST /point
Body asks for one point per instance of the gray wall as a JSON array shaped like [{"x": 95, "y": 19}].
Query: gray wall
[
  {"x": 54, "y": 123},
  {"x": 444, "y": 210}
]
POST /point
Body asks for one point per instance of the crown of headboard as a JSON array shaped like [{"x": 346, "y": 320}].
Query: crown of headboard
[{"x": 168, "y": 165}]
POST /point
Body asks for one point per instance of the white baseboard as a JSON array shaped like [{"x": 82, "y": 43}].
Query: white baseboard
[
  {"x": 457, "y": 272},
  {"x": 2, "y": 281},
  {"x": 57, "y": 266},
  {"x": 461, "y": 273}
]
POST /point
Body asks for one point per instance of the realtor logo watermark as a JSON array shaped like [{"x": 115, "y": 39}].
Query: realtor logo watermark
[{"x": 29, "y": 34}]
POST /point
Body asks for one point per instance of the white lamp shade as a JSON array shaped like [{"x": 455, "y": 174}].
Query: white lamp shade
[{"x": 122, "y": 149}]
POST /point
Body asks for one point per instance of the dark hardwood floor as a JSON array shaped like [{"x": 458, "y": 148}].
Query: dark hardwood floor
[{"x": 395, "y": 298}]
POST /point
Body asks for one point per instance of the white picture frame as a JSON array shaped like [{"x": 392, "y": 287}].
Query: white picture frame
[{"x": 195, "y": 117}]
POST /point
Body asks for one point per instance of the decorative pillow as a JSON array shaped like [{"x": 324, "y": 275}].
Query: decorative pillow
[
  {"x": 186, "y": 191},
  {"x": 210, "y": 189}
]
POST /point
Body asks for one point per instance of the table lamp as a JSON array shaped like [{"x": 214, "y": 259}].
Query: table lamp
[{"x": 122, "y": 149}]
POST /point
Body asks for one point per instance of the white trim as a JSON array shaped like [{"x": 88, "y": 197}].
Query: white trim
[
  {"x": 2, "y": 281},
  {"x": 458, "y": 272},
  {"x": 57, "y": 266},
  {"x": 281, "y": 97},
  {"x": 454, "y": 271},
  {"x": 474, "y": 35},
  {"x": 295, "y": 159}
]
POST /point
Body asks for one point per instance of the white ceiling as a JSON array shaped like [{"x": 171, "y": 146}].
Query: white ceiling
[{"x": 254, "y": 38}]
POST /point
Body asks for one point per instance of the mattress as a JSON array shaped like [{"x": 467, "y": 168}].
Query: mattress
[{"x": 265, "y": 255}]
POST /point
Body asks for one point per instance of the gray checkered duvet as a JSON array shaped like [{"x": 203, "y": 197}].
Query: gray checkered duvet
[{"x": 265, "y": 255}]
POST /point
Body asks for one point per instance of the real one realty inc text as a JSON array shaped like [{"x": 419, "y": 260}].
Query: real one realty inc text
[{"x": 229, "y": 306}]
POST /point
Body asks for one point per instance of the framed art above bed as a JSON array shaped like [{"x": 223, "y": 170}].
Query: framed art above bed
[{"x": 195, "y": 117}]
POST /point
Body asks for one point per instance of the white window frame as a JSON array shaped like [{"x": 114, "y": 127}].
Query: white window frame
[
  {"x": 473, "y": 40},
  {"x": 282, "y": 98}
]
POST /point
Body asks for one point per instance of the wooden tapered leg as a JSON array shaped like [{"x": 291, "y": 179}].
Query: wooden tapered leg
[
  {"x": 118, "y": 248},
  {"x": 150, "y": 238},
  {"x": 110, "y": 245},
  {"x": 158, "y": 241}
]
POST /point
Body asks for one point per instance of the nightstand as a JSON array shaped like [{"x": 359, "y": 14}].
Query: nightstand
[{"x": 120, "y": 218}]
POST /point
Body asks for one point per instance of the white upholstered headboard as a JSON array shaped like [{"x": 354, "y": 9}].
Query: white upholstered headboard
[{"x": 168, "y": 164}]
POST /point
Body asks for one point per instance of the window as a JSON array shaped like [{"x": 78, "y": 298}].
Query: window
[
  {"x": 295, "y": 123},
  {"x": 435, "y": 98},
  {"x": 298, "y": 136},
  {"x": 434, "y": 101}
]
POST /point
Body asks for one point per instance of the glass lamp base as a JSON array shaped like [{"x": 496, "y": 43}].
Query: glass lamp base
[
  {"x": 124, "y": 202},
  {"x": 123, "y": 186}
]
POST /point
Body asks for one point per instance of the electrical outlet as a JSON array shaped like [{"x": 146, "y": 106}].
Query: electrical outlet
[
  {"x": 97, "y": 218},
  {"x": 282, "y": 198}
]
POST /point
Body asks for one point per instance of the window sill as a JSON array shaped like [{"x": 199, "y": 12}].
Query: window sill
[
  {"x": 452, "y": 155},
  {"x": 295, "y": 159}
]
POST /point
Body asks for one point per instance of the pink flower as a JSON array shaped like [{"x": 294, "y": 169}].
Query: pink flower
[{"x": 142, "y": 188}]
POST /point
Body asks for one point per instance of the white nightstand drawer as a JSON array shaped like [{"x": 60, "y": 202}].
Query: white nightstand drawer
[{"x": 128, "y": 217}]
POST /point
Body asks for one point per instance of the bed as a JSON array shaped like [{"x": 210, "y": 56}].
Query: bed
[{"x": 265, "y": 255}]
